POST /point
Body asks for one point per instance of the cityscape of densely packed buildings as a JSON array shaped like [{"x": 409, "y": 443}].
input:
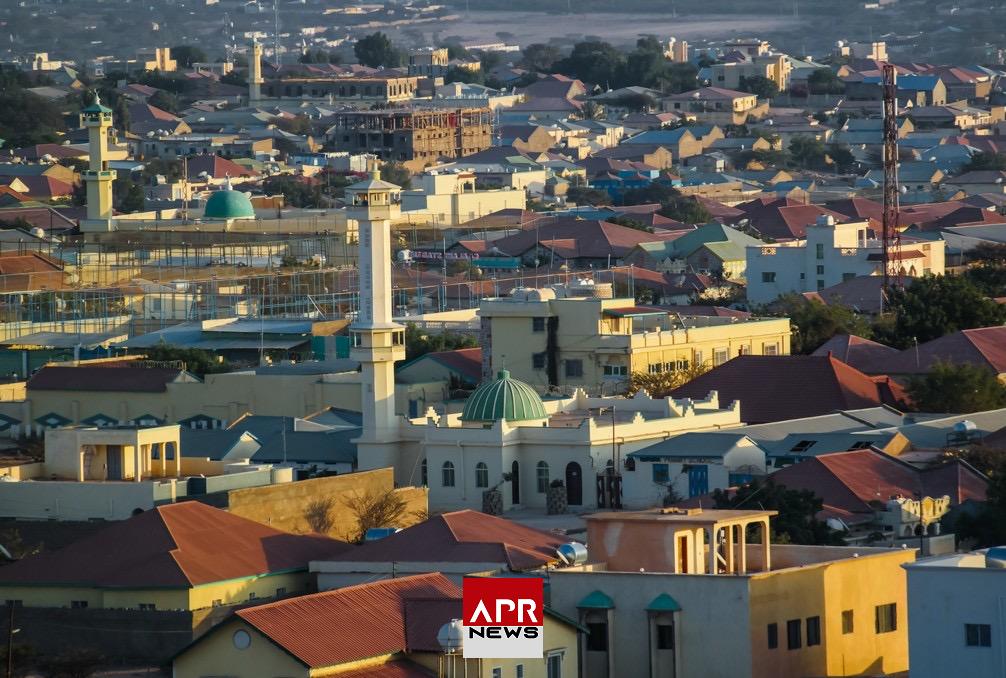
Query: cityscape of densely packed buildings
[{"x": 303, "y": 327}]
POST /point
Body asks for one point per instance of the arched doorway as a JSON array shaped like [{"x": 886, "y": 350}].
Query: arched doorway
[
  {"x": 515, "y": 483},
  {"x": 574, "y": 484}
]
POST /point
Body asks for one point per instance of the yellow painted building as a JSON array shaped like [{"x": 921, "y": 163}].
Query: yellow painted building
[
  {"x": 361, "y": 631},
  {"x": 774, "y": 610},
  {"x": 569, "y": 337},
  {"x": 186, "y": 556}
]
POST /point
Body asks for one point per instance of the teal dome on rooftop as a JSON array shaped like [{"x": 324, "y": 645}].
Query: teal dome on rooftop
[
  {"x": 228, "y": 204},
  {"x": 506, "y": 398}
]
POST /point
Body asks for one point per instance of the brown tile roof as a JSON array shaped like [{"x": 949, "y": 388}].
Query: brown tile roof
[
  {"x": 776, "y": 388},
  {"x": 41, "y": 186},
  {"x": 982, "y": 346},
  {"x": 463, "y": 536},
  {"x": 124, "y": 378},
  {"x": 217, "y": 167},
  {"x": 176, "y": 546},
  {"x": 12, "y": 262},
  {"x": 466, "y": 361},
  {"x": 857, "y": 208},
  {"x": 856, "y": 480},
  {"x": 783, "y": 218},
  {"x": 863, "y": 354},
  {"x": 586, "y": 238},
  {"x": 355, "y": 622}
]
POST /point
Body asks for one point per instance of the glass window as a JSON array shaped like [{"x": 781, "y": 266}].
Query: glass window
[
  {"x": 497, "y": 672},
  {"x": 481, "y": 474},
  {"x": 771, "y": 349},
  {"x": 448, "y": 474},
  {"x": 793, "y": 636},
  {"x": 848, "y": 276},
  {"x": 615, "y": 370},
  {"x": 538, "y": 361},
  {"x": 655, "y": 368},
  {"x": 848, "y": 622},
  {"x": 813, "y": 631},
  {"x": 574, "y": 368},
  {"x": 78, "y": 604},
  {"x": 542, "y": 475},
  {"x": 768, "y": 276},
  {"x": 720, "y": 356},
  {"x": 554, "y": 666},
  {"x": 665, "y": 636},
  {"x": 661, "y": 474},
  {"x": 537, "y": 324},
  {"x": 886, "y": 618},
  {"x": 820, "y": 250},
  {"x": 773, "y": 636},
  {"x": 820, "y": 270},
  {"x": 424, "y": 474},
  {"x": 597, "y": 636},
  {"x": 978, "y": 635},
  {"x": 147, "y": 606},
  {"x": 519, "y": 671}
]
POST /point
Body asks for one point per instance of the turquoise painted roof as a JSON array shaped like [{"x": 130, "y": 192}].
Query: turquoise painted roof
[
  {"x": 597, "y": 601},
  {"x": 229, "y": 205},
  {"x": 663, "y": 603},
  {"x": 506, "y": 398}
]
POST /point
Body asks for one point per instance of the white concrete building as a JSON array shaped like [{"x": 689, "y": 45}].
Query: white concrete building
[
  {"x": 956, "y": 619},
  {"x": 830, "y": 253},
  {"x": 446, "y": 199}
]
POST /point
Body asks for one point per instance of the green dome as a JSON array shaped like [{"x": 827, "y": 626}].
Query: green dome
[
  {"x": 228, "y": 204},
  {"x": 505, "y": 398}
]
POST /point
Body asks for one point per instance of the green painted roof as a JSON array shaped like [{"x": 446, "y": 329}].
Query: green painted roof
[
  {"x": 229, "y": 204},
  {"x": 711, "y": 233},
  {"x": 663, "y": 603},
  {"x": 597, "y": 601},
  {"x": 505, "y": 398}
]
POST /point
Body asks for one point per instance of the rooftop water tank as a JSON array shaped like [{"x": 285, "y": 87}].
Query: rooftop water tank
[
  {"x": 573, "y": 553},
  {"x": 995, "y": 558},
  {"x": 451, "y": 636}
]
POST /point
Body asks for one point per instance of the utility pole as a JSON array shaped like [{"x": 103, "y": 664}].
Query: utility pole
[{"x": 10, "y": 641}]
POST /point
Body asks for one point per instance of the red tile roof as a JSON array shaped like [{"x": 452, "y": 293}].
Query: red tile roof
[
  {"x": 41, "y": 186},
  {"x": 855, "y": 481},
  {"x": 982, "y": 346},
  {"x": 580, "y": 238},
  {"x": 783, "y": 218},
  {"x": 463, "y": 536},
  {"x": 217, "y": 167},
  {"x": 124, "y": 378},
  {"x": 176, "y": 546},
  {"x": 466, "y": 361},
  {"x": 776, "y": 388},
  {"x": 12, "y": 262},
  {"x": 356, "y": 622},
  {"x": 863, "y": 354}
]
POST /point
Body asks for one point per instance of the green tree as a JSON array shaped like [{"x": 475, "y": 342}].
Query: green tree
[
  {"x": 236, "y": 78},
  {"x": 596, "y": 62},
  {"x": 678, "y": 78},
  {"x": 630, "y": 223},
  {"x": 465, "y": 75},
  {"x": 376, "y": 50},
  {"x": 807, "y": 152},
  {"x": 540, "y": 57},
  {"x": 759, "y": 85},
  {"x": 584, "y": 195},
  {"x": 27, "y": 119},
  {"x": 815, "y": 323},
  {"x": 164, "y": 100},
  {"x": 933, "y": 306},
  {"x": 825, "y": 81},
  {"x": 186, "y": 55},
  {"x": 196, "y": 361},
  {"x": 986, "y": 161},
  {"x": 796, "y": 523},
  {"x": 841, "y": 157},
  {"x": 295, "y": 193},
  {"x": 299, "y": 124},
  {"x": 957, "y": 389},
  {"x": 396, "y": 173},
  {"x": 127, "y": 195},
  {"x": 684, "y": 208},
  {"x": 418, "y": 342}
]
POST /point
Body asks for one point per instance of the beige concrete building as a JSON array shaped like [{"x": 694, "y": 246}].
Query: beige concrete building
[
  {"x": 556, "y": 338},
  {"x": 451, "y": 198}
]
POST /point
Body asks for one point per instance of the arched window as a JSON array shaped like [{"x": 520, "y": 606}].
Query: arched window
[
  {"x": 424, "y": 474},
  {"x": 448, "y": 474},
  {"x": 481, "y": 475},
  {"x": 542, "y": 469}
]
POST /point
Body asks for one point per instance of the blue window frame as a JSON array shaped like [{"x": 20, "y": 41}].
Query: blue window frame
[{"x": 661, "y": 473}]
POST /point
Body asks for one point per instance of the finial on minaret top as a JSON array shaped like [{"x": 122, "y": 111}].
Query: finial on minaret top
[
  {"x": 375, "y": 174},
  {"x": 227, "y": 182},
  {"x": 97, "y": 98}
]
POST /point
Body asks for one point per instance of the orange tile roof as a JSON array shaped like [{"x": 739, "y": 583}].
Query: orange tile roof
[
  {"x": 173, "y": 546},
  {"x": 357, "y": 622}
]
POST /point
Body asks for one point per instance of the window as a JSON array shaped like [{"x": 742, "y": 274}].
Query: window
[
  {"x": 519, "y": 671},
  {"x": 665, "y": 636},
  {"x": 597, "y": 636},
  {"x": 720, "y": 356},
  {"x": 481, "y": 474},
  {"x": 978, "y": 635},
  {"x": 655, "y": 368},
  {"x": 616, "y": 370},
  {"x": 681, "y": 364},
  {"x": 217, "y": 602},
  {"x": 820, "y": 270},
  {"x": 793, "y": 641},
  {"x": 538, "y": 361},
  {"x": 497, "y": 672},
  {"x": 773, "y": 636},
  {"x": 542, "y": 476},
  {"x": 771, "y": 349},
  {"x": 537, "y": 324},
  {"x": 803, "y": 446},
  {"x": 820, "y": 284},
  {"x": 78, "y": 604},
  {"x": 280, "y": 592},
  {"x": 398, "y": 338},
  {"x": 848, "y": 276},
  {"x": 848, "y": 622},
  {"x": 424, "y": 474},
  {"x": 820, "y": 250},
  {"x": 574, "y": 368},
  {"x": 699, "y": 358},
  {"x": 886, "y": 618},
  {"x": 768, "y": 276},
  {"x": 661, "y": 474},
  {"x": 447, "y": 474},
  {"x": 252, "y": 595},
  {"x": 147, "y": 606},
  {"x": 813, "y": 631},
  {"x": 553, "y": 666}
]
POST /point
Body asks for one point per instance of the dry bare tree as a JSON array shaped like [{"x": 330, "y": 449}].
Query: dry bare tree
[{"x": 379, "y": 508}]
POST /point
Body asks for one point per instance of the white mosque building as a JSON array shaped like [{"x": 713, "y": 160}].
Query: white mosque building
[{"x": 507, "y": 437}]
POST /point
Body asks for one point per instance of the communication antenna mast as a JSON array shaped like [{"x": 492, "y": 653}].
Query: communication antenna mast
[
  {"x": 891, "y": 238},
  {"x": 275, "y": 44}
]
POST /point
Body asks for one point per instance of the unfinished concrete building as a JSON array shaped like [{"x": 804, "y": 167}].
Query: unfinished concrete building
[{"x": 416, "y": 138}]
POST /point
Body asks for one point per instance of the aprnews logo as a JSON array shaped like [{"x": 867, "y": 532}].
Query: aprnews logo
[{"x": 503, "y": 618}]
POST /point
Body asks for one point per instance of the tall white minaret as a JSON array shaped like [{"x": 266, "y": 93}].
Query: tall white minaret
[
  {"x": 98, "y": 177},
  {"x": 255, "y": 80},
  {"x": 378, "y": 342}
]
